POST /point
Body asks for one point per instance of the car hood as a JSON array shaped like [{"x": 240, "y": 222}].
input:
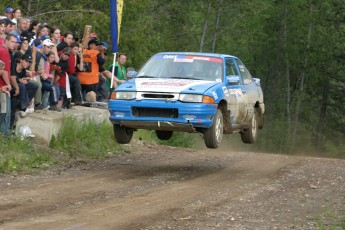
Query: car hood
[{"x": 173, "y": 85}]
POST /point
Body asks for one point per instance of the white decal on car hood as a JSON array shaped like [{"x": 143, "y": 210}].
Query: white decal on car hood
[{"x": 165, "y": 85}]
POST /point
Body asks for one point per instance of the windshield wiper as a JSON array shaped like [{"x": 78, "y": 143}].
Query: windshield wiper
[
  {"x": 193, "y": 78},
  {"x": 144, "y": 76}
]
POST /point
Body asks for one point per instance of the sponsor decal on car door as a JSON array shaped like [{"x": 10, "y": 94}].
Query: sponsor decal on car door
[{"x": 237, "y": 99}]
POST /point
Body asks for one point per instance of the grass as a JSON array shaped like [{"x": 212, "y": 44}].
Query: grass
[
  {"x": 332, "y": 223},
  {"x": 21, "y": 155},
  {"x": 333, "y": 218},
  {"x": 86, "y": 140},
  {"x": 76, "y": 140}
]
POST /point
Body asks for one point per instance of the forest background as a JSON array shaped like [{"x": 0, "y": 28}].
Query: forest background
[{"x": 296, "y": 48}]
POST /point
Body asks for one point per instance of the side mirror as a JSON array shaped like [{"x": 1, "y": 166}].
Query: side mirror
[
  {"x": 257, "y": 81},
  {"x": 234, "y": 80}
]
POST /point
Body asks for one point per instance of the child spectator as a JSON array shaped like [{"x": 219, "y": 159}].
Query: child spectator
[
  {"x": 72, "y": 73},
  {"x": 49, "y": 98},
  {"x": 63, "y": 81}
]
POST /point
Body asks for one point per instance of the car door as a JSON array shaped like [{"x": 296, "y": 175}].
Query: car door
[
  {"x": 249, "y": 90},
  {"x": 236, "y": 98}
]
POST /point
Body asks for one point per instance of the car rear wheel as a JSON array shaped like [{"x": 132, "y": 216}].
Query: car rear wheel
[
  {"x": 213, "y": 136},
  {"x": 249, "y": 135},
  {"x": 122, "y": 134},
  {"x": 164, "y": 135}
]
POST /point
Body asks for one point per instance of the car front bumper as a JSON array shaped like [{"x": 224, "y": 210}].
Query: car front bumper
[{"x": 161, "y": 115}]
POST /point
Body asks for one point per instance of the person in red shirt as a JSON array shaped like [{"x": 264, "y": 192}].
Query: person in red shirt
[
  {"x": 63, "y": 83},
  {"x": 2, "y": 31},
  {"x": 72, "y": 73},
  {"x": 5, "y": 107}
]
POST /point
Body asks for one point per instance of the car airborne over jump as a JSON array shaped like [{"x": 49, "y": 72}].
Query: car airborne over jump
[{"x": 213, "y": 94}]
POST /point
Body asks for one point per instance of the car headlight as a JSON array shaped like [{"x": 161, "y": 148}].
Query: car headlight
[
  {"x": 125, "y": 95},
  {"x": 196, "y": 98},
  {"x": 190, "y": 98}
]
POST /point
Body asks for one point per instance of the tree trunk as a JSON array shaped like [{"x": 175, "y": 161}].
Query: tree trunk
[
  {"x": 217, "y": 25},
  {"x": 287, "y": 71},
  {"x": 302, "y": 82},
  {"x": 29, "y": 6},
  {"x": 322, "y": 117},
  {"x": 205, "y": 28}
]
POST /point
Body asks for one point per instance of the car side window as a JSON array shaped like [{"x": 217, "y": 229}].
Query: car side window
[
  {"x": 246, "y": 77},
  {"x": 231, "y": 68}
]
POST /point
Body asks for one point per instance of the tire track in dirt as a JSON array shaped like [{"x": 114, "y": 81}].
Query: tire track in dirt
[{"x": 123, "y": 194}]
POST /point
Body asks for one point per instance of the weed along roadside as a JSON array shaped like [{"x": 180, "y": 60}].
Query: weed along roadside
[
  {"x": 59, "y": 137},
  {"x": 80, "y": 133}
]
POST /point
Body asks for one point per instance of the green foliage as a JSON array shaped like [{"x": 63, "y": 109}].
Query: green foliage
[
  {"x": 86, "y": 139},
  {"x": 296, "y": 47},
  {"x": 331, "y": 220}
]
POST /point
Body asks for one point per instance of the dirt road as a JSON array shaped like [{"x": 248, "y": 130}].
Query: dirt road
[{"x": 157, "y": 187}]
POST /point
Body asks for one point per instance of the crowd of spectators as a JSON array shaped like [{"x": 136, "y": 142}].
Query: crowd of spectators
[{"x": 43, "y": 69}]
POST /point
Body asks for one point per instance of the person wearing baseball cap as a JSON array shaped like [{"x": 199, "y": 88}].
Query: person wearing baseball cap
[
  {"x": 92, "y": 36},
  {"x": 104, "y": 46},
  {"x": 27, "y": 57},
  {"x": 9, "y": 21},
  {"x": 47, "y": 42},
  {"x": 23, "y": 46},
  {"x": 44, "y": 37},
  {"x": 25, "y": 35},
  {"x": 9, "y": 13},
  {"x": 27, "y": 89},
  {"x": 67, "y": 51}
]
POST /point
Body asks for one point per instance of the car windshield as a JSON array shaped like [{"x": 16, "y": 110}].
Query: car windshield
[{"x": 183, "y": 67}]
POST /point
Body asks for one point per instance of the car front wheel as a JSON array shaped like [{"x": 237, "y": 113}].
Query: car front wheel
[
  {"x": 249, "y": 135},
  {"x": 123, "y": 135},
  {"x": 213, "y": 136}
]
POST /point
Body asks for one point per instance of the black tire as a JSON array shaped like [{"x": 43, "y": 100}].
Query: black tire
[
  {"x": 122, "y": 134},
  {"x": 164, "y": 135},
  {"x": 249, "y": 135},
  {"x": 213, "y": 136},
  {"x": 259, "y": 118}
]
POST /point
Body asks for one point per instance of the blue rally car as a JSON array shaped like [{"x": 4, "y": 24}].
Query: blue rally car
[{"x": 213, "y": 94}]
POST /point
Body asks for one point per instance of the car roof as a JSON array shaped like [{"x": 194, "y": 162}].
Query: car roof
[{"x": 199, "y": 54}]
